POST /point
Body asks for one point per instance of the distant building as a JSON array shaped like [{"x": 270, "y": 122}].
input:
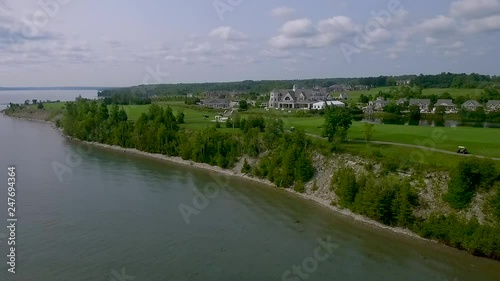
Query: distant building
[
  {"x": 471, "y": 105},
  {"x": 222, "y": 94},
  {"x": 216, "y": 103},
  {"x": 401, "y": 101},
  {"x": 368, "y": 110},
  {"x": 493, "y": 105},
  {"x": 378, "y": 104},
  {"x": 423, "y": 104},
  {"x": 340, "y": 88},
  {"x": 323, "y": 104},
  {"x": 344, "y": 96},
  {"x": 403, "y": 82},
  {"x": 361, "y": 87},
  {"x": 448, "y": 105},
  {"x": 297, "y": 98}
]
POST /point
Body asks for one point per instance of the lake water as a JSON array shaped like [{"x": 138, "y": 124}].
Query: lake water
[
  {"x": 114, "y": 216},
  {"x": 431, "y": 122}
]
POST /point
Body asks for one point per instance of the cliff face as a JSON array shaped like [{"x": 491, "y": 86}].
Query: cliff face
[{"x": 430, "y": 186}]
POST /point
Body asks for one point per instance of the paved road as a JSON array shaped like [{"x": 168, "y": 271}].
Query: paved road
[{"x": 417, "y": 147}]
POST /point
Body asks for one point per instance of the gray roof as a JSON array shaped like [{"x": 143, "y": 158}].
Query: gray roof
[
  {"x": 493, "y": 102},
  {"x": 444, "y": 103},
  {"x": 309, "y": 94},
  {"x": 471, "y": 102},
  {"x": 220, "y": 101},
  {"x": 420, "y": 101}
]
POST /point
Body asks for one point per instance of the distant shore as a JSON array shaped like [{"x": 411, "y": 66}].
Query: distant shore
[{"x": 236, "y": 173}]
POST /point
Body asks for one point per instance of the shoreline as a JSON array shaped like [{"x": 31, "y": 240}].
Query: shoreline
[{"x": 232, "y": 172}]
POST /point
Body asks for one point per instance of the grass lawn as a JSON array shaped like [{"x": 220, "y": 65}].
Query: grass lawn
[
  {"x": 480, "y": 141},
  {"x": 354, "y": 95}
]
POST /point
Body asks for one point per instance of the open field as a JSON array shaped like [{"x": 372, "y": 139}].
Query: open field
[
  {"x": 480, "y": 141},
  {"x": 354, "y": 95}
]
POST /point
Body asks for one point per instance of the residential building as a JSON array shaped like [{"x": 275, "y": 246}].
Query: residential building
[
  {"x": 361, "y": 87},
  {"x": 216, "y": 103},
  {"x": 297, "y": 98},
  {"x": 322, "y": 104},
  {"x": 403, "y": 82},
  {"x": 493, "y": 105},
  {"x": 340, "y": 88},
  {"x": 448, "y": 105},
  {"x": 379, "y": 104},
  {"x": 368, "y": 110},
  {"x": 471, "y": 105},
  {"x": 423, "y": 104},
  {"x": 222, "y": 94},
  {"x": 401, "y": 101},
  {"x": 343, "y": 96}
]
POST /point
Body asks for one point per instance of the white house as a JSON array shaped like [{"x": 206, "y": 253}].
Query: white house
[{"x": 322, "y": 104}]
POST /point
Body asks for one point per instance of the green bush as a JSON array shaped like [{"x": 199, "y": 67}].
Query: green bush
[
  {"x": 469, "y": 175},
  {"x": 300, "y": 187},
  {"x": 494, "y": 202},
  {"x": 345, "y": 186},
  {"x": 480, "y": 240},
  {"x": 246, "y": 167}
]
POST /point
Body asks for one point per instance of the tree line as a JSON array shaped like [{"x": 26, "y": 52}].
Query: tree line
[
  {"x": 157, "y": 131},
  {"x": 443, "y": 80}
]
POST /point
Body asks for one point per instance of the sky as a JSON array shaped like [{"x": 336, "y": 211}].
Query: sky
[{"x": 126, "y": 42}]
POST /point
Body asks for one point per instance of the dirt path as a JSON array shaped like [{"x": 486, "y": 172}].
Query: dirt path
[{"x": 415, "y": 146}]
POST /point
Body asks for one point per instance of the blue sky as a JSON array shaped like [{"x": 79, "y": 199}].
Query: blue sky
[{"x": 125, "y": 42}]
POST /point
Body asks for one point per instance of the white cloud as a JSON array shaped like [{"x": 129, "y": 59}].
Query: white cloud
[
  {"x": 297, "y": 28},
  {"x": 474, "y": 8},
  {"x": 302, "y": 33},
  {"x": 176, "y": 59},
  {"x": 491, "y": 23},
  {"x": 282, "y": 11},
  {"x": 438, "y": 25},
  {"x": 230, "y": 48},
  {"x": 274, "y": 53},
  {"x": 393, "y": 56},
  {"x": 199, "y": 49},
  {"x": 228, "y": 33}
]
